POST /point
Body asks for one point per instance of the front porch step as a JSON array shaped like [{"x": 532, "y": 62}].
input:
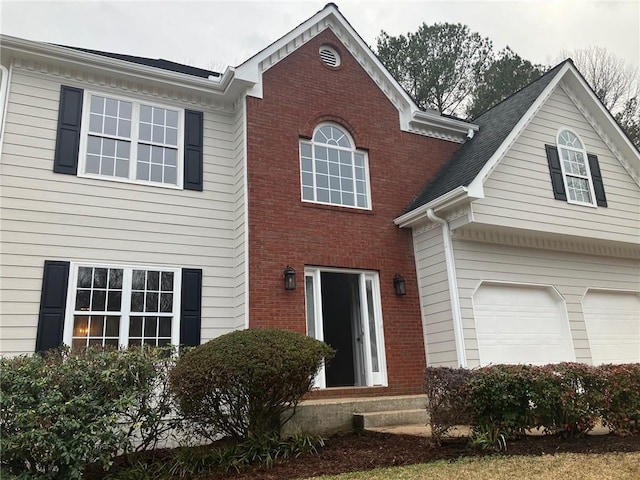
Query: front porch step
[
  {"x": 368, "y": 420},
  {"x": 333, "y": 415}
]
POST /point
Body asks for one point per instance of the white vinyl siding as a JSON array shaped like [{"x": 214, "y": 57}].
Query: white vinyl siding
[
  {"x": 240, "y": 264},
  {"x": 571, "y": 274},
  {"x": 518, "y": 193},
  {"x": 435, "y": 302},
  {"x": 52, "y": 216}
]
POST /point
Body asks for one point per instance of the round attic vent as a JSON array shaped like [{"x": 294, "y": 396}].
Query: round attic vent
[{"x": 329, "y": 56}]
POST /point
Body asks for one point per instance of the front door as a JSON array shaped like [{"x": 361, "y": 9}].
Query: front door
[{"x": 343, "y": 310}]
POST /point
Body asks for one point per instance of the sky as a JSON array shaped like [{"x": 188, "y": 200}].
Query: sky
[{"x": 217, "y": 34}]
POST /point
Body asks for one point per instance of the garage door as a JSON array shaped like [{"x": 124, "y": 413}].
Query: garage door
[
  {"x": 521, "y": 324},
  {"x": 613, "y": 326}
]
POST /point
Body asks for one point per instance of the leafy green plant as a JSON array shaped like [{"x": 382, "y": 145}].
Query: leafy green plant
[
  {"x": 59, "y": 411},
  {"x": 500, "y": 398},
  {"x": 567, "y": 398},
  {"x": 487, "y": 437},
  {"x": 264, "y": 450},
  {"x": 246, "y": 383}
]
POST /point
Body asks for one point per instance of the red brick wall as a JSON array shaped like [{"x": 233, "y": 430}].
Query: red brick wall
[{"x": 298, "y": 93}]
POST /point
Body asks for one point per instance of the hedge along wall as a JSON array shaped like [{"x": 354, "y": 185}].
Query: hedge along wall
[{"x": 566, "y": 398}]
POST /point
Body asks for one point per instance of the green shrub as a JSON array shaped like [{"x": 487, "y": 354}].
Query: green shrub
[
  {"x": 447, "y": 403},
  {"x": 241, "y": 384},
  {"x": 59, "y": 412},
  {"x": 621, "y": 399},
  {"x": 500, "y": 399},
  {"x": 567, "y": 398}
]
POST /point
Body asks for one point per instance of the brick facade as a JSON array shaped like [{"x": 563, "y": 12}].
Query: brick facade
[{"x": 298, "y": 93}]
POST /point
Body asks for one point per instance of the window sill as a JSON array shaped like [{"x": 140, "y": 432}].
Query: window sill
[
  {"x": 337, "y": 208},
  {"x": 582, "y": 204},
  {"x": 129, "y": 181}
]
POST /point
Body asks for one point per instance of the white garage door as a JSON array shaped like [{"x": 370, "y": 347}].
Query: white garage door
[
  {"x": 613, "y": 326},
  {"x": 521, "y": 324}
]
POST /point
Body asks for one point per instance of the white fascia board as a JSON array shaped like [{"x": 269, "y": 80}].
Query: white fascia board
[
  {"x": 21, "y": 47},
  {"x": 449, "y": 199},
  {"x": 477, "y": 183}
]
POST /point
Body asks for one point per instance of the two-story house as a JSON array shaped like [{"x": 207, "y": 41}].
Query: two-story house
[{"x": 147, "y": 202}]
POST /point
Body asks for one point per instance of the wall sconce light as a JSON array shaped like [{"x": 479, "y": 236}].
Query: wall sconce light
[
  {"x": 399, "y": 284},
  {"x": 289, "y": 278}
]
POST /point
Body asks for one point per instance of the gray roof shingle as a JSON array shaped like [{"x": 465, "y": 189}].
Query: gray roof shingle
[
  {"x": 495, "y": 125},
  {"x": 152, "y": 62}
]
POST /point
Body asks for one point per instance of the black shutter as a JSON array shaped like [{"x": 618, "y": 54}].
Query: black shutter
[
  {"x": 53, "y": 299},
  {"x": 190, "y": 308},
  {"x": 193, "y": 140},
  {"x": 68, "y": 137},
  {"x": 555, "y": 170},
  {"x": 596, "y": 176}
]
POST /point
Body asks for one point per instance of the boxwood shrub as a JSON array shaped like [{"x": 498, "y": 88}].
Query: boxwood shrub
[{"x": 242, "y": 384}]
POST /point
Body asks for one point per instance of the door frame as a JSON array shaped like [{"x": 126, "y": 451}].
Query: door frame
[{"x": 314, "y": 273}]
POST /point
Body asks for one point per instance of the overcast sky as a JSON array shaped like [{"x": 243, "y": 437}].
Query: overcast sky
[{"x": 216, "y": 34}]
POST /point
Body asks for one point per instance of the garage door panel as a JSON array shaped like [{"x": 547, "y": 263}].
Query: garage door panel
[
  {"x": 613, "y": 326},
  {"x": 519, "y": 324}
]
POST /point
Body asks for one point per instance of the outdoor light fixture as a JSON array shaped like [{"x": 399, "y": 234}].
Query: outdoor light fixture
[
  {"x": 289, "y": 278},
  {"x": 399, "y": 284}
]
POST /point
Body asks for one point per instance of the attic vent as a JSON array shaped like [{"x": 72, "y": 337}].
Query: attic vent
[{"x": 329, "y": 56}]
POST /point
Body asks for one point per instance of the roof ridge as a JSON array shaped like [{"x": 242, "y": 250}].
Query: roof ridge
[{"x": 548, "y": 72}]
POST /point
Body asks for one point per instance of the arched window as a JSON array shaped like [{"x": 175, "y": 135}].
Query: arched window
[
  {"x": 575, "y": 168},
  {"x": 332, "y": 171}
]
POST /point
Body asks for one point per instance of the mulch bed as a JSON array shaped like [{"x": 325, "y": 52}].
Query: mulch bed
[
  {"x": 368, "y": 450},
  {"x": 347, "y": 453}
]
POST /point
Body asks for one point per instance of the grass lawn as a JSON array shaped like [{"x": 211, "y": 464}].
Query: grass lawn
[{"x": 564, "y": 466}]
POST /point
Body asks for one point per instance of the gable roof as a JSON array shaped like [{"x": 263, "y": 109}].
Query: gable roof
[
  {"x": 412, "y": 118},
  {"x": 462, "y": 178},
  {"x": 495, "y": 125},
  {"x": 152, "y": 62}
]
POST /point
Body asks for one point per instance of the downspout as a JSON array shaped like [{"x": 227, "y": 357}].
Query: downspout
[
  {"x": 453, "y": 287},
  {"x": 4, "y": 94}
]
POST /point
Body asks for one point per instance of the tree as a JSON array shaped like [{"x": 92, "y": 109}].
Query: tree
[
  {"x": 506, "y": 74},
  {"x": 437, "y": 65},
  {"x": 615, "y": 83},
  {"x": 629, "y": 120}
]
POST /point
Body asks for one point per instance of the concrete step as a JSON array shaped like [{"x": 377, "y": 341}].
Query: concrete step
[
  {"x": 333, "y": 415},
  {"x": 367, "y": 420}
]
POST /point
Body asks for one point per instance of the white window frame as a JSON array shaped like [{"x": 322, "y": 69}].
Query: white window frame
[
  {"x": 566, "y": 174},
  {"x": 353, "y": 150},
  {"x": 372, "y": 379},
  {"x": 125, "y": 312},
  {"x": 134, "y": 140}
]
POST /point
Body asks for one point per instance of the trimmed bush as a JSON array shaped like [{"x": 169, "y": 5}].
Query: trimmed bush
[
  {"x": 447, "y": 402},
  {"x": 59, "y": 412},
  {"x": 500, "y": 396},
  {"x": 567, "y": 398},
  {"x": 241, "y": 384},
  {"x": 621, "y": 401},
  {"x": 503, "y": 401}
]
